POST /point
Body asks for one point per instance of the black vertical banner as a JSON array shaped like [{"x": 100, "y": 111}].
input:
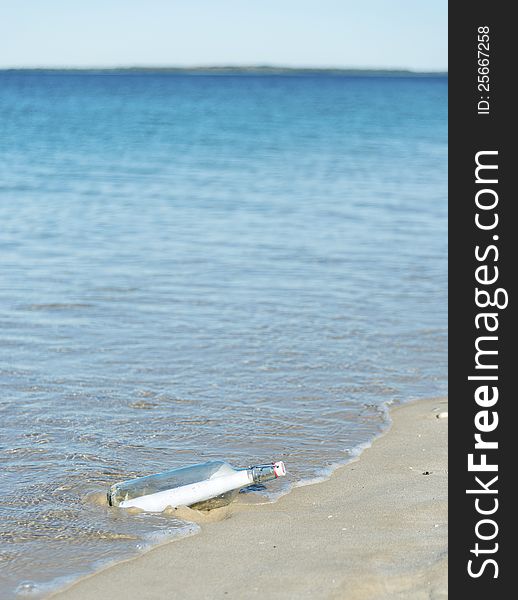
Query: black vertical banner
[{"x": 483, "y": 247}]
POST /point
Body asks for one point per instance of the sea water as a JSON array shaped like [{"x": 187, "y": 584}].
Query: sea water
[{"x": 245, "y": 267}]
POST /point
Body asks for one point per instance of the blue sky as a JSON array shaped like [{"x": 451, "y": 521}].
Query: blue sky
[{"x": 336, "y": 33}]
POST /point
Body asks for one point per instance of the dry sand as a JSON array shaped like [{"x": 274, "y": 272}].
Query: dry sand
[{"x": 376, "y": 529}]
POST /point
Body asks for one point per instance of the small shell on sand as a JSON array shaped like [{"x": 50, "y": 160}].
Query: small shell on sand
[{"x": 442, "y": 415}]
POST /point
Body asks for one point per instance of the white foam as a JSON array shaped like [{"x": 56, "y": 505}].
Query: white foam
[{"x": 33, "y": 590}]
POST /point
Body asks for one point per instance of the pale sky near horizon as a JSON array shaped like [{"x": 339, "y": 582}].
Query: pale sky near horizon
[{"x": 408, "y": 34}]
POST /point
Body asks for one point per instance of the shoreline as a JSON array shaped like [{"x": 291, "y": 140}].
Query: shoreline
[{"x": 377, "y": 528}]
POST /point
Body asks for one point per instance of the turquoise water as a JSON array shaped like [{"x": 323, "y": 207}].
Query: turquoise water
[{"x": 241, "y": 267}]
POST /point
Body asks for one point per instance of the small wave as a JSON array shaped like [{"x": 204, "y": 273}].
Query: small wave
[
  {"x": 143, "y": 405},
  {"x": 57, "y": 306}
]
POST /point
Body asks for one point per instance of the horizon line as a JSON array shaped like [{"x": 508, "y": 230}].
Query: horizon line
[{"x": 232, "y": 68}]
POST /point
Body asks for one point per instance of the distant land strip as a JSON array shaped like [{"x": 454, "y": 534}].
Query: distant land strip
[{"x": 236, "y": 70}]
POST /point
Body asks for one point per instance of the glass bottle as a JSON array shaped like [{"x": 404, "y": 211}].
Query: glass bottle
[{"x": 203, "y": 486}]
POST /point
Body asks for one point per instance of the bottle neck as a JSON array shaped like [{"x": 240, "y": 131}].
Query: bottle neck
[{"x": 261, "y": 473}]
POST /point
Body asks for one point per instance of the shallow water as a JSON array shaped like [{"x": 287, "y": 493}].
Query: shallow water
[{"x": 195, "y": 267}]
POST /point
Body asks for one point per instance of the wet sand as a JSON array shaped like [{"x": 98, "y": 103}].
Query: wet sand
[{"x": 376, "y": 529}]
